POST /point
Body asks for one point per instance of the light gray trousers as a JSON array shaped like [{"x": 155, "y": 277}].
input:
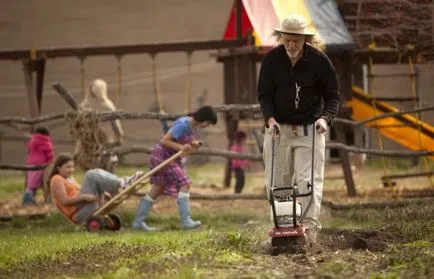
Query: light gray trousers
[
  {"x": 96, "y": 182},
  {"x": 290, "y": 168}
]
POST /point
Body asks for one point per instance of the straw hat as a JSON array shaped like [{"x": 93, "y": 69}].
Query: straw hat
[{"x": 294, "y": 24}]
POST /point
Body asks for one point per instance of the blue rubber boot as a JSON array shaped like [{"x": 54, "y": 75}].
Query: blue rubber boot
[
  {"x": 142, "y": 213},
  {"x": 184, "y": 211},
  {"x": 28, "y": 198}
]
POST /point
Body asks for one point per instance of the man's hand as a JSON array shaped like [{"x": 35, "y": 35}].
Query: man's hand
[
  {"x": 272, "y": 124},
  {"x": 321, "y": 125}
]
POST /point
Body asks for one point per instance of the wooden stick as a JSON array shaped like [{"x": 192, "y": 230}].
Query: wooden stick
[
  {"x": 32, "y": 121},
  {"x": 64, "y": 93}
]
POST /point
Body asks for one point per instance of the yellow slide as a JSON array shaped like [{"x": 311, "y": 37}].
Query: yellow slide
[{"x": 362, "y": 105}]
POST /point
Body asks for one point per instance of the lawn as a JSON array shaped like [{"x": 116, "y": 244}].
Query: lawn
[{"x": 231, "y": 243}]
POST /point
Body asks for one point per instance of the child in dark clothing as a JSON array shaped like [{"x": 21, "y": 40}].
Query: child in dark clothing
[
  {"x": 39, "y": 152},
  {"x": 238, "y": 165}
]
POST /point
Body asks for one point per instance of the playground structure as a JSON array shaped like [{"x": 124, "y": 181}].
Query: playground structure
[
  {"x": 325, "y": 19},
  {"x": 245, "y": 42}
]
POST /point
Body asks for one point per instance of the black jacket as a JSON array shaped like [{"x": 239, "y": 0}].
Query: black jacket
[{"x": 313, "y": 75}]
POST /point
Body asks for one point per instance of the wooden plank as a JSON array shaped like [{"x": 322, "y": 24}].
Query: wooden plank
[{"x": 50, "y": 53}]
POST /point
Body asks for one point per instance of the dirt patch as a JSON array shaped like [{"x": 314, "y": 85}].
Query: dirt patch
[
  {"x": 90, "y": 260},
  {"x": 373, "y": 240}
]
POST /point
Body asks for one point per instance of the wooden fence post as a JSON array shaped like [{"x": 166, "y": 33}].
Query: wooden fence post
[{"x": 345, "y": 161}]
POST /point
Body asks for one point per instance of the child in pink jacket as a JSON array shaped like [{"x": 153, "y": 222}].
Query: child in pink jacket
[
  {"x": 39, "y": 152},
  {"x": 238, "y": 165}
]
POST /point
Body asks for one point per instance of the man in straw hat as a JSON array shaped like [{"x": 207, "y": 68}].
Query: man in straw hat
[{"x": 298, "y": 88}]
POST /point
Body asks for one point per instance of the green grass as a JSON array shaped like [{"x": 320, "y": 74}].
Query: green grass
[
  {"x": 52, "y": 240},
  {"x": 12, "y": 183},
  {"x": 28, "y": 245},
  {"x": 223, "y": 248},
  {"x": 23, "y": 240},
  {"x": 229, "y": 244}
]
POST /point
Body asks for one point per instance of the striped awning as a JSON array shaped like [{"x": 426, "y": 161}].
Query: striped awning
[{"x": 261, "y": 16}]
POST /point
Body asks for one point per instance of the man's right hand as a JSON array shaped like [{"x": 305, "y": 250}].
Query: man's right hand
[{"x": 272, "y": 124}]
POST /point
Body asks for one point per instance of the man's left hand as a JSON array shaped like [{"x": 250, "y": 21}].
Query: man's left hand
[{"x": 321, "y": 125}]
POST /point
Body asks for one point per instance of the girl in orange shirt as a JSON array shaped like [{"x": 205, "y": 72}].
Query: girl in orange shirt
[{"x": 77, "y": 202}]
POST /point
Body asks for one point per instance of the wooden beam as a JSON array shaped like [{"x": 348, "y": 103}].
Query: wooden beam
[{"x": 51, "y": 53}]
